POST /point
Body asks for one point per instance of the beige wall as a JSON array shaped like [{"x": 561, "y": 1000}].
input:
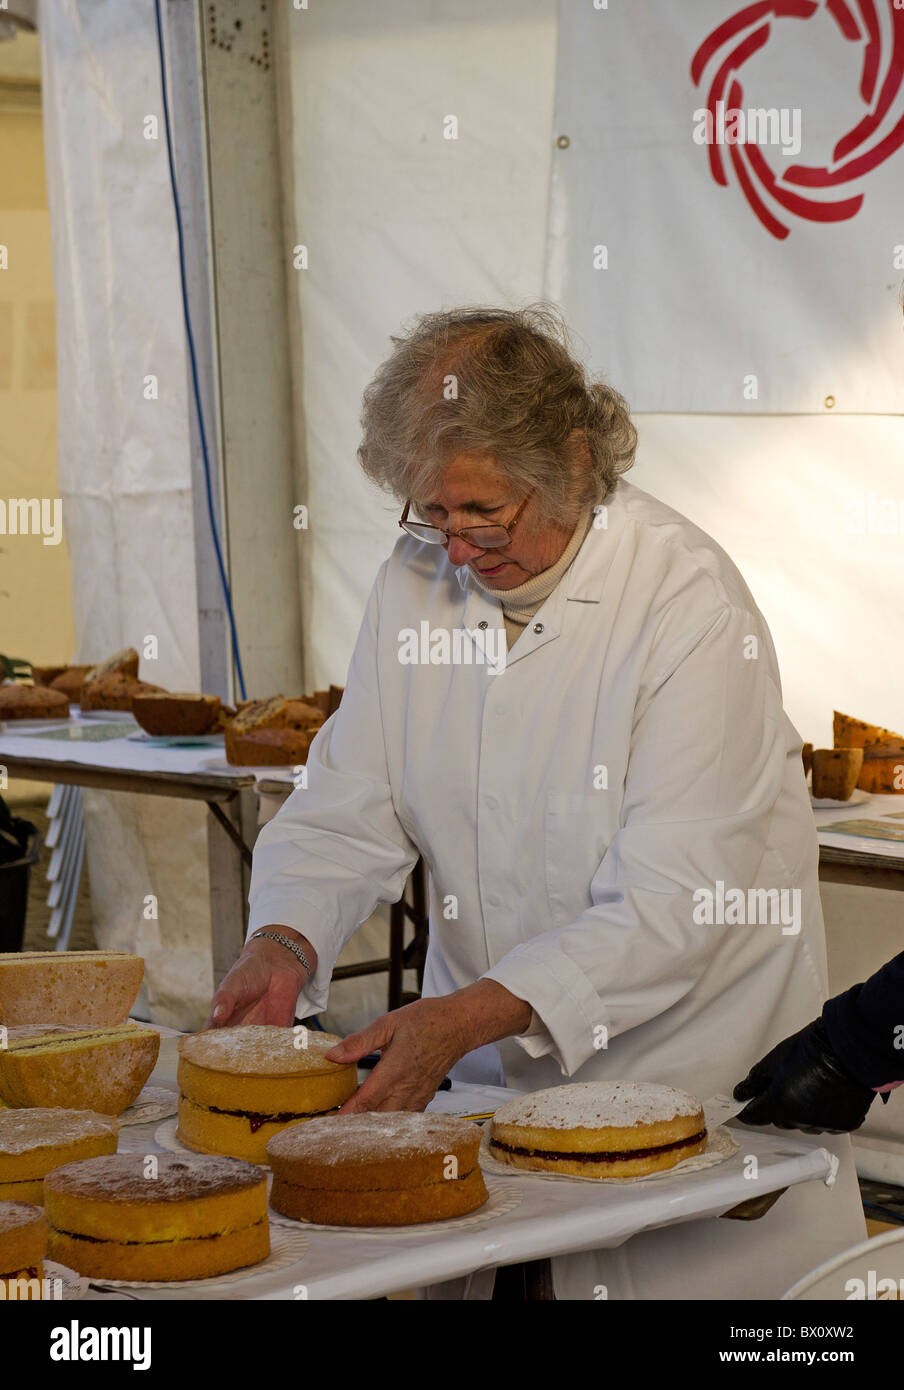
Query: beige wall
[{"x": 35, "y": 604}]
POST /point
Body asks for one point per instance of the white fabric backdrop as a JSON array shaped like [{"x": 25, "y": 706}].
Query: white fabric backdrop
[
  {"x": 124, "y": 461},
  {"x": 698, "y": 294}
]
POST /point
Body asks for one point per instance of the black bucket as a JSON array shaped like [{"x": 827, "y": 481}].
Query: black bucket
[{"x": 14, "y": 878}]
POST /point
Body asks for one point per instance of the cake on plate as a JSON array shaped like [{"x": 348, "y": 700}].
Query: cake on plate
[{"x": 599, "y": 1129}]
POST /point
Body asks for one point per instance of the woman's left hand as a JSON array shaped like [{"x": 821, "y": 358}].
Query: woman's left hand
[{"x": 421, "y": 1041}]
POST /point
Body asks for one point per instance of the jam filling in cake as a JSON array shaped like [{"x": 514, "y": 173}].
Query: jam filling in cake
[{"x": 609, "y": 1156}]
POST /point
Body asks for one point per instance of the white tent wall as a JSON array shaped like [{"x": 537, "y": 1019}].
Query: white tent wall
[
  {"x": 125, "y": 461},
  {"x": 398, "y": 220}
]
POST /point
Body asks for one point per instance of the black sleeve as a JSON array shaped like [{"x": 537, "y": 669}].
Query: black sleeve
[{"x": 866, "y": 1026}]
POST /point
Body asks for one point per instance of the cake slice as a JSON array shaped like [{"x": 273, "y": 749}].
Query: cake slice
[
  {"x": 165, "y": 713},
  {"x": 101, "y": 1069},
  {"x": 124, "y": 662},
  {"x": 78, "y": 988},
  {"x": 115, "y": 691},
  {"x": 882, "y": 774},
  {"x": 270, "y": 747},
  {"x": 259, "y": 714}
]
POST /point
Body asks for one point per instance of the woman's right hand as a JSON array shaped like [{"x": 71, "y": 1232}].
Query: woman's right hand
[{"x": 263, "y": 985}]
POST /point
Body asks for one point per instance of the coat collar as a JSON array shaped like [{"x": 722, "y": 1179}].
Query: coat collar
[{"x": 584, "y": 582}]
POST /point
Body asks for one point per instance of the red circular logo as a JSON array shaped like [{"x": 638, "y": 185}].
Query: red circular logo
[{"x": 876, "y": 136}]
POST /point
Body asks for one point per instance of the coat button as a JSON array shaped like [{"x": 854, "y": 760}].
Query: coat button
[
  {"x": 493, "y": 900},
  {"x": 491, "y": 803},
  {"x": 538, "y": 628},
  {"x": 483, "y": 623}
]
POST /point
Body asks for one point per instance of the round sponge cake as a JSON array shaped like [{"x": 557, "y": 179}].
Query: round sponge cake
[
  {"x": 23, "y": 1242},
  {"x": 614, "y": 1129},
  {"x": 34, "y": 1142},
  {"x": 241, "y": 1086},
  {"x": 377, "y": 1169},
  {"x": 157, "y": 1216}
]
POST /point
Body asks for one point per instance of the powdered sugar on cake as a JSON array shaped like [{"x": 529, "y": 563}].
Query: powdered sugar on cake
[
  {"x": 173, "y": 1178},
  {"x": 598, "y": 1105},
  {"x": 370, "y": 1136},
  {"x": 23, "y": 1130},
  {"x": 15, "y": 1214},
  {"x": 260, "y": 1049}
]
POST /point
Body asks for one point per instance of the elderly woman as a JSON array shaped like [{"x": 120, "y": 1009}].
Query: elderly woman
[{"x": 597, "y": 797}]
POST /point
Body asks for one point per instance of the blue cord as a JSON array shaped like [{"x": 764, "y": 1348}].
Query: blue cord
[{"x": 194, "y": 364}]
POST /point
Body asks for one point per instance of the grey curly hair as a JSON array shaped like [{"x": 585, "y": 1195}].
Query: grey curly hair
[{"x": 498, "y": 382}]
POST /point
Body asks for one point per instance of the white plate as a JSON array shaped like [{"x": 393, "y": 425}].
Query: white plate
[
  {"x": 829, "y": 803},
  {"x": 176, "y": 740},
  {"x": 125, "y": 715}
]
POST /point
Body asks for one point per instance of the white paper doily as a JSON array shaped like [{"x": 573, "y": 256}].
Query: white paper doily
[
  {"x": 501, "y": 1201},
  {"x": 153, "y": 1103},
  {"x": 720, "y": 1145},
  {"x": 286, "y": 1248},
  {"x": 73, "y": 1286}
]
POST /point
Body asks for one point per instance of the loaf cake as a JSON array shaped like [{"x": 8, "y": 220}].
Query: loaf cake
[
  {"x": 23, "y": 1245},
  {"x": 123, "y": 663},
  {"x": 32, "y": 702},
  {"x": 835, "y": 772},
  {"x": 301, "y": 714},
  {"x": 379, "y": 1168},
  {"x": 34, "y": 1142},
  {"x": 113, "y": 691},
  {"x": 255, "y": 714},
  {"x": 165, "y": 713},
  {"x": 100, "y": 1069},
  {"x": 612, "y": 1129},
  {"x": 269, "y": 747},
  {"x": 240, "y": 1086},
  {"x": 78, "y": 988},
  {"x": 882, "y": 774},
  {"x": 43, "y": 675},
  {"x": 157, "y": 1216},
  {"x": 71, "y": 682}
]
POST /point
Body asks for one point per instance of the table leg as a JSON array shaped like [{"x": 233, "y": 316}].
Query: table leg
[{"x": 229, "y": 881}]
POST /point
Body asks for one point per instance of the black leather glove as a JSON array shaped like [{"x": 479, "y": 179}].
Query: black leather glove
[{"x": 801, "y": 1084}]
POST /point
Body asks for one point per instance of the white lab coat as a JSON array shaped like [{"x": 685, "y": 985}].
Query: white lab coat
[{"x": 633, "y": 751}]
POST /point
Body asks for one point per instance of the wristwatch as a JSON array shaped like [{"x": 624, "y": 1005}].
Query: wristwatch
[{"x": 293, "y": 946}]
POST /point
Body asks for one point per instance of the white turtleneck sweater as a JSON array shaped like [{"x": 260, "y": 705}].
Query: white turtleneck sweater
[{"x": 521, "y": 603}]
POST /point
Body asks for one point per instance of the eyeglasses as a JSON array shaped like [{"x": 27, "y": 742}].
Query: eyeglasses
[{"x": 484, "y": 537}]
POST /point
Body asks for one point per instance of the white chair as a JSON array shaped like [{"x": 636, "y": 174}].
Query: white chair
[{"x": 872, "y": 1270}]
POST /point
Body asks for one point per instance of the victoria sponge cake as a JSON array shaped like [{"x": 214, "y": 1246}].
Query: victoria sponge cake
[
  {"x": 241, "y": 1086},
  {"x": 379, "y": 1168},
  {"x": 34, "y": 1142},
  {"x": 599, "y": 1129},
  {"x": 23, "y": 1243},
  {"x": 100, "y": 1069},
  {"x": 178, "y": 1217}
]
